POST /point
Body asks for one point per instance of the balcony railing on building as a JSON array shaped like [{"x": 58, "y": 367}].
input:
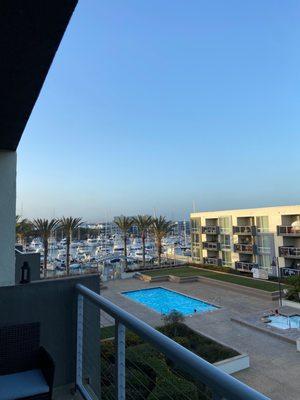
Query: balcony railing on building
[
  {"x": 245, "y": 248},
  {"x": 287, "y": 231},
  {"x": 212, "y": 246},
  {"x": 211, "y": 230},
  {"x": 228, "y": 264},
  {"x": 123, "y": 377},
  {"x": 244, "y": 230},
  {"x": 212, "y": 261},
  {"x": 286, "y": 272},
  {"x": 245, "y": 266},
  {"x": 289, "y": 252}
]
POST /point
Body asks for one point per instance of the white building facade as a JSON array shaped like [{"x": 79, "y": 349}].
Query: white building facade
[{"x": 248, "y": 238}]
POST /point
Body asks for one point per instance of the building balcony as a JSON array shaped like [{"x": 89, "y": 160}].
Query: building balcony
[
  {"x": 244, "y": 248},
  {"x": 212, "y": 261},
  {"x": 244, "y": 230},
  {"x": 210, "y": 230},
  {"x": 245, "y": 266},
  {"x": 286, "y": 272},
  {"x": 289, "y": 252},
  {"x": 287, "y": 231},
  {"x": 212, "y": 246}
]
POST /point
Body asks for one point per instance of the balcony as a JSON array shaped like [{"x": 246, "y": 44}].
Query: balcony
[
  {"x": 286, "y": 272},
  {"x": 244, "y": 230},
  {"x": 212, "y": 246},
  {"x": 210, "y": 230},
  {"x": 245, "y": 266},
  {"x": 289, "y": 252},
  {"x": 212, "y": 261},
  {"x": 244, "y": 248},
  {"x": 287, "y": 231}
]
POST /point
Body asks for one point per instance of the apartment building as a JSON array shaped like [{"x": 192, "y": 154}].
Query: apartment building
[{"x": 249, "y": 238}]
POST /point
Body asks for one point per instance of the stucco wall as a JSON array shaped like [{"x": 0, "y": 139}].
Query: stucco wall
[{"x": 7, "y": 217}]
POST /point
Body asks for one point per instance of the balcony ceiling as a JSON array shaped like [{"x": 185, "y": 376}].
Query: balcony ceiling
[{"x": 30, "y": 33}]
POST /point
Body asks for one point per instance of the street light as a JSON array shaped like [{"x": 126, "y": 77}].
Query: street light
[{"x": 275, "y": 263}]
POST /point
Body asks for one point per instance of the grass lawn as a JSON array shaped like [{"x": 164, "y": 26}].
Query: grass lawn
[{"x": 238, "y": 280}]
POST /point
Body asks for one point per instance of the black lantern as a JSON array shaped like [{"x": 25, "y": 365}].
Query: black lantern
[{"x": 25, "y": 270}]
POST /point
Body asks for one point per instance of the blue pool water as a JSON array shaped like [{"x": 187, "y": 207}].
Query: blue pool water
[
  {"x": 164, "y": 301},
  {"x": 282, "y": 322}
]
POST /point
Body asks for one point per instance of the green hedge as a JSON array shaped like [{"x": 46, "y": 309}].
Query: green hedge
[{"x": 150, "y": 375}]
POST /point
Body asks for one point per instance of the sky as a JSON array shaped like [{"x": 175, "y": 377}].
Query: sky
[{"x": 164, "y": 107}]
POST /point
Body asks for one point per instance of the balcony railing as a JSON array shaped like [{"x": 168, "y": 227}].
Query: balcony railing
[
  {"x": 244, "y": 230},
  {"x": 212, "y": 261},
  {"x": 245, "y": 266},
  {"x": 287, "y": 231},
  {"x": 289, "y": 252},
  {"x": 228, "y": 264},
  {"x": 244, "y": 248},
  {"x": 211, "y": 246},
  {"x": 219, "y": 384},
  {"x": 210, "y": 230},
  {"x": 289, "y": 271}
]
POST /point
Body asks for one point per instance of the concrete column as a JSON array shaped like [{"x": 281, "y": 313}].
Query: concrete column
[{"x": 7, "y": 217}]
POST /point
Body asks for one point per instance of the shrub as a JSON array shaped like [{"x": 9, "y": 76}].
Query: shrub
[
  {"x": 293, "y": 291},
  {"x": 173, "y": 319},
  {"x": 173, "y": 387}
]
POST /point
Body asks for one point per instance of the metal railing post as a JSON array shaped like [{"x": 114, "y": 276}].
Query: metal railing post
[
  {"x": 120, "y": 340},
  {"x": 79, "y": 348}
]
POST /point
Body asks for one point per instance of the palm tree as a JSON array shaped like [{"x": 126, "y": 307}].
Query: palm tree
[
  {"x": 160, "y": 227},
  {"x": 68, "y": 225},
  {"x": 124, "y": 224},
  {"x": 23, "y": 229},
  {"x": 43, "y": 229},
  {"x": 143, "y": 223}
]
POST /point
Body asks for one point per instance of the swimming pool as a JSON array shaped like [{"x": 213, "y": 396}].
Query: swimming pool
[
  {"x": 283, "y": 322},
  {"x": 164, "y": 301}
]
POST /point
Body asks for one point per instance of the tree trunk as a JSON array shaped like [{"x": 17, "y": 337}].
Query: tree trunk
[
  {"x": 159, "y": 251},
  {"x": 125, "y": 251},
  {"x": 144, "y": 249},
  {"x": 45, "y": 255},
  {"x": 68, "y": 253}
]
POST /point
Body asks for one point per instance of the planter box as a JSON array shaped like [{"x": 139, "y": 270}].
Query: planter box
[
  {"x": 290, "y": 303},
  {"x": 234, "y": 364}
]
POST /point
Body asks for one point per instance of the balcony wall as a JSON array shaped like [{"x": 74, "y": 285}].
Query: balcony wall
[
  {"x": 53, "y": 304},
  {"x": 211, "y": 246},
  {"x": 210, "y": 230},
  {"x": 245, "y": 248},
  {"x": 7, "y": 217}
]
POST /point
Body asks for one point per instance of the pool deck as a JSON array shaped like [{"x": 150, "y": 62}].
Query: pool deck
[{"x": 274, "y": 364}]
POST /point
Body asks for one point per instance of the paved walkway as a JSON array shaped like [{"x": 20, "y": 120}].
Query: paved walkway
[{"x": 274, "y": 364}]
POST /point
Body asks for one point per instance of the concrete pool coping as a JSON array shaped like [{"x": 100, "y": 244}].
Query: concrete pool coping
[
  {"x": 195, "y": 278},
  {"x": 218, "y": 308}
]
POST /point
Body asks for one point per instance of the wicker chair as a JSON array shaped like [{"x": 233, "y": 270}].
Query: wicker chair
[{"x": 26, "y": 369}]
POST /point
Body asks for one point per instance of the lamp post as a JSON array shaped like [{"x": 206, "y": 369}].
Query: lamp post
[{"x": 279, "y": 281}]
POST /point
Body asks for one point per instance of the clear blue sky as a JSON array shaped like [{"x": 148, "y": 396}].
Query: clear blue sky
[{"x": 156, "y": 104}]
